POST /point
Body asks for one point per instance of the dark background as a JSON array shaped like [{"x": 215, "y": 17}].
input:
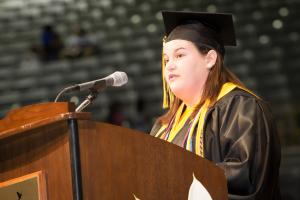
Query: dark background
[{"x": 128, "y": 36}]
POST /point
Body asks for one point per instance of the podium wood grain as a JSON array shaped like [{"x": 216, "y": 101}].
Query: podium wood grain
[{"x": 121, "y": 162}]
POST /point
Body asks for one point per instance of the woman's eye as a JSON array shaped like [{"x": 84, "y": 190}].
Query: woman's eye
[{"x": 179, "y": 55}]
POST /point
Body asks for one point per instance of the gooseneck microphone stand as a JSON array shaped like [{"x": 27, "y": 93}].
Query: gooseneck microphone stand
[{"x": 88, "y": 100}]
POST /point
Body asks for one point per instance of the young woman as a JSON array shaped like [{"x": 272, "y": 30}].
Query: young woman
[{"x": 210, "y": 112}]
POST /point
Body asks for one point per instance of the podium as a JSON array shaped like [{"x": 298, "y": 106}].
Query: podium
[{"x": 74, "y": 157}]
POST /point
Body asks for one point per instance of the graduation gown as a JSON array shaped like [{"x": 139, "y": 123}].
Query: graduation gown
[{"x": 239, "y": 135}]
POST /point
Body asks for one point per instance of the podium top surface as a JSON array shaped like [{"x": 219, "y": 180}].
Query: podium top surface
[{"x": 37, "y": 115}]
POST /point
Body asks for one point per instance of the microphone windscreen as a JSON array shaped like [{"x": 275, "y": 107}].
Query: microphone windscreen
[{"x": 120, "y": 78}]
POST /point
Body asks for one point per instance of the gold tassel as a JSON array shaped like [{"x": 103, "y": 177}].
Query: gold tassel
[{"x": 166, "y": 90}]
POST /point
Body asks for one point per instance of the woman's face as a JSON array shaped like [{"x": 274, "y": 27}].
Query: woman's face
[{"x": 186, "y": 70}]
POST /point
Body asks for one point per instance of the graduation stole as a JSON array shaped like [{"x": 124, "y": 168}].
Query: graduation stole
[{"x": 195, "y": 131}]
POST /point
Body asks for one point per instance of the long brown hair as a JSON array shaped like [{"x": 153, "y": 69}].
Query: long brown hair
[{"x": 217, "y": 76}]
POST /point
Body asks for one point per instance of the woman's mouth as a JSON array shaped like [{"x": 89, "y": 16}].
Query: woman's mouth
[{"x": 172, "y": 77}]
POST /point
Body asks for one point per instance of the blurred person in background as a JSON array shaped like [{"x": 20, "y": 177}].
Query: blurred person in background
[
  {"x": 141, "y": 119},
  {"x": 51, "y": 44},
  {"x": 116, "y": 114},
  {"x": 79, "y": 44},
  {"x": 210, "y": 112}
]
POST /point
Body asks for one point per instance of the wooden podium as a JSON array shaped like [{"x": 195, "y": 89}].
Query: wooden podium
[{"x": 77, "y": 158}]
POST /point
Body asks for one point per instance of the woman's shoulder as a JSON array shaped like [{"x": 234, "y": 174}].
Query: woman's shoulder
[
  {"x": 240, "y": 97},
  {"x": 238, "y": 92},
  {"x": 241, "y": 104}
]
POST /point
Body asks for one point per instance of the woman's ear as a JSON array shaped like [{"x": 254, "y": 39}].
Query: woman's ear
[{"x": 211, "y": 58}]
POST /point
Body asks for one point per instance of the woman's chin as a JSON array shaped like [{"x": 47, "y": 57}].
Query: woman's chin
[{"x": 178, "y": 91}]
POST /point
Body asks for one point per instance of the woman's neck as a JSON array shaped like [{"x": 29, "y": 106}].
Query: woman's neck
[{"x": 193, "y": 100}]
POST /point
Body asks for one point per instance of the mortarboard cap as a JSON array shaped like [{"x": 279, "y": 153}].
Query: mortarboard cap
[{"x": 221, "y": 23}]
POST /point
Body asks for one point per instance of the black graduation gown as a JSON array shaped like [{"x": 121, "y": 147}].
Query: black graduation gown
[{"x": 240, "y": 137}]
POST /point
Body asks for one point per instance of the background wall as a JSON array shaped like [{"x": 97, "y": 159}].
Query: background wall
[{"x": 127, "y": 35}]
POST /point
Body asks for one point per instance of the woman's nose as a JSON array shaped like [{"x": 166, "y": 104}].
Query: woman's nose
[{"x": 170, "y": 65}]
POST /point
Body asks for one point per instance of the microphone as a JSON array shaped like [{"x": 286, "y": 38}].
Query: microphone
[{"x": 116, "y": 79}]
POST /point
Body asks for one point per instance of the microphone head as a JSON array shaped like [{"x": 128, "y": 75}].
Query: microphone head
[{"x": 119, "y": 79}]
